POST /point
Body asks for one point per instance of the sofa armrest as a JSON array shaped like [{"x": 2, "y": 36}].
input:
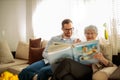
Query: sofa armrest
[{"x": 115, "y": 75}]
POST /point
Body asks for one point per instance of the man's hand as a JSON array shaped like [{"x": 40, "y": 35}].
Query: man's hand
[{"x": 77, "y": 41}]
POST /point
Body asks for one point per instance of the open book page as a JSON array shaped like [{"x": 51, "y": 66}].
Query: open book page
[
  {"x": 57, "y": 56},
  {"x": 82, "y": 52},
  {"x": 85, "y": 51},
  {"x": 57, "y": 46}
]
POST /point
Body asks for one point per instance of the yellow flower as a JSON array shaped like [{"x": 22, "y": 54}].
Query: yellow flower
[
  {"x": 106, "y": 34},
  {"x": 8, "y": 76}
]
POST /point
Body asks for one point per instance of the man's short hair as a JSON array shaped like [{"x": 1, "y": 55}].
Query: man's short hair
[{"x": 66, "y": 21}]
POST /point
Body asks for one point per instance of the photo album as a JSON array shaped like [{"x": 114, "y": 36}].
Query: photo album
[{"x": 82, "y": 52}]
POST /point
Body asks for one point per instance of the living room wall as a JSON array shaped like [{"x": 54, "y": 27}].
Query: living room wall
[{"x": 14, "y": 19}]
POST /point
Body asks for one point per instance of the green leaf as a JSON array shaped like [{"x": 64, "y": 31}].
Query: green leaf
[{"x": 104, "y": 24}]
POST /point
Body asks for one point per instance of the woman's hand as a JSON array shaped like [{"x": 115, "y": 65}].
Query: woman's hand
[{"x": 101, "y": 58}]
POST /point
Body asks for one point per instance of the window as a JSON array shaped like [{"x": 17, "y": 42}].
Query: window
[{"x": 49, "y": 14}]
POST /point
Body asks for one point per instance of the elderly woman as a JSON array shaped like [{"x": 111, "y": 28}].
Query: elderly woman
[{"x": 102, "y": 69}]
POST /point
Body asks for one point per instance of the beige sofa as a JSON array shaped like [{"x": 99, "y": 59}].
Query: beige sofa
[
  {"x": 20, "y": 59},
  {"x": 14, "y": 67}
]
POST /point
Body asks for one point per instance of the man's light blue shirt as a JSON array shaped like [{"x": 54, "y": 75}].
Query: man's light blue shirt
[{"x": 58, "y": 38}]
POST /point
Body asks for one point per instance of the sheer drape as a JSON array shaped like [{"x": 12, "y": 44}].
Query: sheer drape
[
  {"x": 48, "y": 14},
  {"x": 114, "y": 37},
  {"x": 115, "y": 26}
]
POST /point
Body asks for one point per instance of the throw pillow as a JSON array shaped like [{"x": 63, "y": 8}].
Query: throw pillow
[
  {"x": 35, "y": 43},
  {"x": 5, "y": 53},
  {"x": 22, "y": 51},
  {"x": 35, "y": 54}
]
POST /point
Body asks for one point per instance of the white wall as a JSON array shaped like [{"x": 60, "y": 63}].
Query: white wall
[{"x": 13, "y": 21}]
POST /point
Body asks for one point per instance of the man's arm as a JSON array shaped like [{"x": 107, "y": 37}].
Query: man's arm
[{"x": 46, "y": 49}]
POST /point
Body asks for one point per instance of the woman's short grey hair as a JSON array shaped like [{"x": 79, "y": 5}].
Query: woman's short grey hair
[{"x": 91, "y": 27}]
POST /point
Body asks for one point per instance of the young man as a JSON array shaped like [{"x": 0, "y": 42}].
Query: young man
[{"x": 42, "y": 68}]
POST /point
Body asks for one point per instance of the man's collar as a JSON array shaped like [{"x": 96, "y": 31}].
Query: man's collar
[{"x": 62, "y": 37}]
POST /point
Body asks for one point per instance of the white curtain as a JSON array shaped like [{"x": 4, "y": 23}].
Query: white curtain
[
  {"x": 114, "y": 37},
  {"x": 115, "y": 27},
  {"x": 48, "y": 15}
]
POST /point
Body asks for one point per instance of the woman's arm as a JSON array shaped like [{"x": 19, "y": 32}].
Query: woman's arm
[{"x": 102, "y": 59}]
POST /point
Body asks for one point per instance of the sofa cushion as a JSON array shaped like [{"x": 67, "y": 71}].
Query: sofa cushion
[
  {"x": 17, "y": 69},
  {"x": 4, "y": 67},
  {"x": 5, "y": 53},
  {"x": 35, "y": 43},
  {"x": 35, "y": 54},
  {"x": 35, "y": 50},
  {"x": 22, "y": 51}
]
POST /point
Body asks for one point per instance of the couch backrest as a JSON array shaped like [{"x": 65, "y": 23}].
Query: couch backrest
[
  {"x": 22, "y": 51},
  {"x": 43, "y": 43}
]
